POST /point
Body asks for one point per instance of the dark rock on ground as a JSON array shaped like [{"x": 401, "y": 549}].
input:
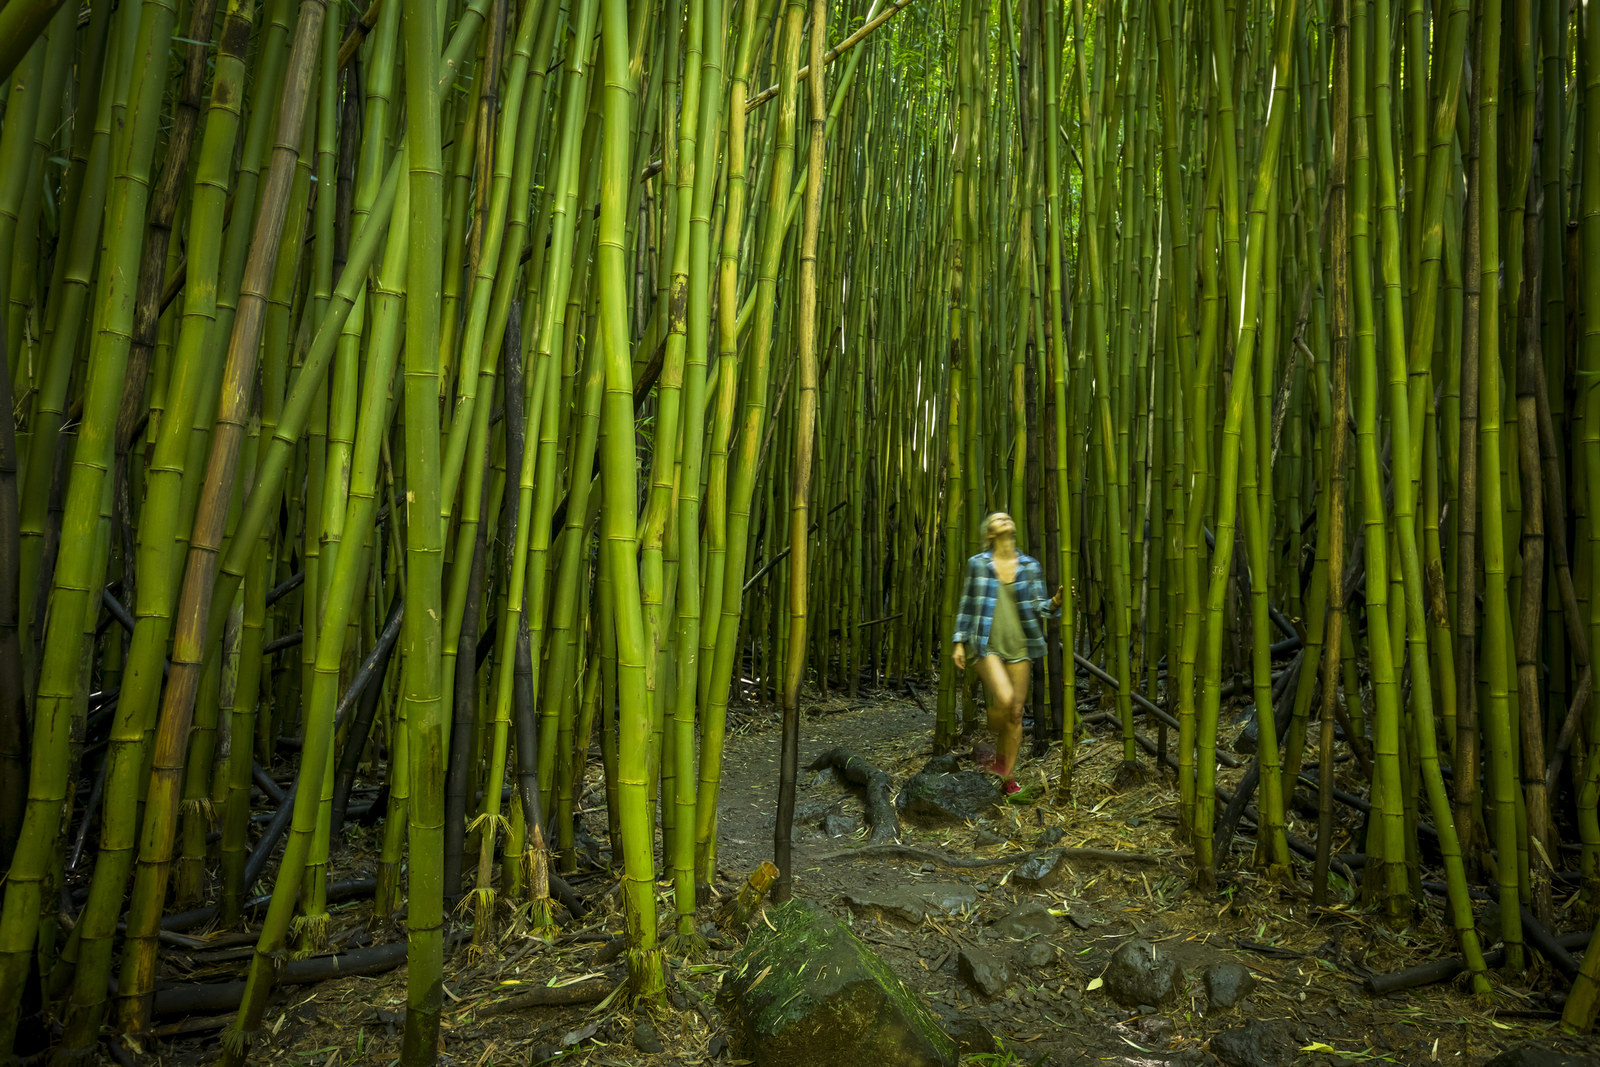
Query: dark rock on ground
[
  {"x": 1227, "y": 984},
  {"x": 1141, "y": 973},
  {"x": 808, "y": 993},
  {"x": 645, "y": 1039},
  {"x": 958, "y": 795},
  {"x": 1534, "y": 1056},
  {"x": 1258, "y": 1043},
  {"x": 1038, "y": 868},
  {"x": 716, "y": 1046},
  {"x": 1051, "y": 836},
  {"x": 1029, "y": 919},
  {"x": 945, "y": 764},
  {"x": 1036, "y": 954},
  {"x": 1156, "y": 1027},
  {"x": 913, "y": 903},
  {"x": 983, "y": 971},
  {"x": 985, "y": 838},
  {"x": 835, "y": 825},
  {"x": 1245, "y": 743},
  {"x": 969, "y": 1034}
]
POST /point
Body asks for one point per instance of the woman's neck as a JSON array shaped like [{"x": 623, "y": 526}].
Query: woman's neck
[{"x": 1004, "y": 548}]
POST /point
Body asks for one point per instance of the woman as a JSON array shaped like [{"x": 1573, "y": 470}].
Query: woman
[{"x": 998, "y": 629}]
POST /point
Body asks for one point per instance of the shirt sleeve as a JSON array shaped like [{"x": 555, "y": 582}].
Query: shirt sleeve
[
  {"x": 1043, "y": 601},
  {"x": 969, "y": 597}
]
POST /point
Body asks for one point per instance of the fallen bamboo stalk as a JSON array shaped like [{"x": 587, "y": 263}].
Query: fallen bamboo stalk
[
  {"x": 1445, "y": 969},
  {"x": 879, "y": 786},
  {"x": 585, "y": 992},
  {"x": 1082, "y": 852}
]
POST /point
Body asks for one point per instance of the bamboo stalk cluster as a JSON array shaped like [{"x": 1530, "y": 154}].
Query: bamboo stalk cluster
[{"x": 433, "y": 395}]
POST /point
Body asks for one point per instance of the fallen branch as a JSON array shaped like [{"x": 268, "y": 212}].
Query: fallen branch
[
  {"x": 1067, "y": 852},
  {"x": 214, "y": 997},
  {"x": 586, "y": 992},
  {"x": 1446, "y": 969},
  {"x": 880, "y": 790}
]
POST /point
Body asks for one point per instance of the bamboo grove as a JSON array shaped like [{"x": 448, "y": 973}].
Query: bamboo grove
[{"x": 425, "y": 396}]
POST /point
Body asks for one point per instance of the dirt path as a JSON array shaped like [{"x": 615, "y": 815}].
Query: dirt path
[{"x": 1050, "y": 1004}]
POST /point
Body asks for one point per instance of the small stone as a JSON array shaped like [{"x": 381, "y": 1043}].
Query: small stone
[
  {"x": 985, "y": 838},
  {"x": 645, "y": 1039},
  {"x": 1029, "y": 919},
  {"x": 709, "y": 930},
  {"x": 1051, "y": 836},
  {"x": 716, "y": 1046},
  {"x": 1156, "y": 1027},
  {"x": 1249, "y": 737},
  {"x": 1135, "y": 822},
  {"x": 1227, "y": 984},
  {"x": 1036, "y": 954},
  {"x": 678, "y": 1000},
  {"x": 1081, "y": 919},
  {"x": 984, "y": 972},
  {"x": 1256, "y": 1044},
  {"x": 839, "y": 825},
  {"x": 967, "y": 1032},
  {"x": 1141, "y": 973},
  {"x": 1147, "y": 1009},
  {"x": 1039, "y": 867}
]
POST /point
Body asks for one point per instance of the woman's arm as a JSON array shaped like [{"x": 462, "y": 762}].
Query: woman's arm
[
  {"x": 1046, "y": 605},
  {"x": 966, "y": 615}
]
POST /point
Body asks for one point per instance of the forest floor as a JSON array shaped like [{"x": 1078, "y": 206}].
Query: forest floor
[{"x": 1310, "y": 963}]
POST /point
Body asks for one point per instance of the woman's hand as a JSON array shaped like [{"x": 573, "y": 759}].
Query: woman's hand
[{"x": 958, "y": 656}]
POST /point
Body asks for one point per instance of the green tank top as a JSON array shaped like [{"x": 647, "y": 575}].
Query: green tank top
[{"x": 1006, "y": 638}]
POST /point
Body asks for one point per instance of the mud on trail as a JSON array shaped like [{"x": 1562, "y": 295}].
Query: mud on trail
[{"x": 1040, "y": 996}]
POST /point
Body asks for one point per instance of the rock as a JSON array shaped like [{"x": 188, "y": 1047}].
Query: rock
[
  {"x": 968, "y": 1033},
  {"x": 912, "y": 903},
  {"x": 1038, "y": 868},
  {"x": 1247, "y": 738},
  {"x": 1227, "y": 984},
  {"x": 1035, "y": 954},
  {"x": 1156, "y": 1027},
  {"x": 645, "y": 1039},
  {"x": 839, "y": 825},
  {"x": 1140, "y": 973},
  {"x": 944, "y": 764},
  {"x": 985, "y": 838},
  {"x": 716, "y": 1046},
  {"x": 983, "y": 972},
  {"x": 1534, "y": 1056},
  {"x": 1258, "y": 1043},
  {"x": 1135, "y": 822},
  {"x": 1029, "y": 919},
  {"x": 807, "y": 993},
  {"x": 957, "y": 796},
  {"x": 1082, "y": 918},
  {"x": 1051, "y": 837}
]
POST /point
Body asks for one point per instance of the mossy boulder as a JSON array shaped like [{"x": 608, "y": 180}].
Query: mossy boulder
[{"x": 807, "y": 993}]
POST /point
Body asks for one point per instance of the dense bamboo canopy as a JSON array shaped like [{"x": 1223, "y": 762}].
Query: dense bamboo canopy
[{"x": 429, "y": 394}]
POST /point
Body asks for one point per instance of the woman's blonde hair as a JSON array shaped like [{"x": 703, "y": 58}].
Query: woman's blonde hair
[{"x": 988, "y": 521}]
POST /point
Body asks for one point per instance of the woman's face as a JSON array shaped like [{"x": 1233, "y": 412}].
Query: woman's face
[{"x": 1000, "y": 525}]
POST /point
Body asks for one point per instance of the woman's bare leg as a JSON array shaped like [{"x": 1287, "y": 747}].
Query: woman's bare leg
[
  {"x": 1017, "y": 675},
  {"x": 997, "y": 687}
]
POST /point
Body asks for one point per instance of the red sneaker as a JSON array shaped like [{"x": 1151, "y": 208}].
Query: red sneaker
[{"x": 1010, "y": 786}]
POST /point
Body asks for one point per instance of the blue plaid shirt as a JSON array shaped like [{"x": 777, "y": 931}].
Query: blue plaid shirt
[{"x": 982, "y": 585}]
